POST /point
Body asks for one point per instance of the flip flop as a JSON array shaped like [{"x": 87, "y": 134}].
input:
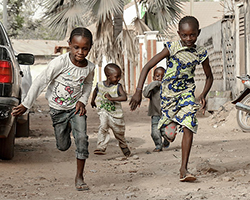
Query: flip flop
[
  {"x": 157, "y": 150},
  {"x": 99, "y": 152},
  {"x": 81, "y": 186},
  {"x": 126, "y": 152},
  {"x": 188, "y": 178}
]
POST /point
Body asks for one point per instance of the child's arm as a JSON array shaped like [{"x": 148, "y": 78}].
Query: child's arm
[
  {"x": 19, "y": 110},
  {"x": 122, "y": 95},
  {"x": 148, "y": 89},
  {"x": 208, "y": 84},
  {"x": 93, "y": 104},
  {"x": 136, "y": 98}
]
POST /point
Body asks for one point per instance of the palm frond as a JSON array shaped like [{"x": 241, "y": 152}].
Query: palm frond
[
  {"x": 126, "y": 42},
  {"x": 162, "y": 14},
  {"x": 61, "y": 19},
  {"x": 140, "y": 26},
  {"x": 103, "y": 42},
  {"x": 102, "y": 9}
]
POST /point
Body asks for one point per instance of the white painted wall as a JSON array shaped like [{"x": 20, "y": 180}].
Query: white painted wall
[{"x": 130, "y": 13}]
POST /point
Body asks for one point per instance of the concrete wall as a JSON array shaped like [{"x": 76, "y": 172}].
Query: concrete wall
[
  {"x": 210, "y": 37},
  {"x": 219, "y": 40}
]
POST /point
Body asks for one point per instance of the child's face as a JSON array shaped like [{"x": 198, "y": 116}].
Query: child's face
[
  {"x": 114, "y": 77},
  {"x": 188, "y": 34},
  {"x": 79, "y": 48},
  {"x": 158, "y": 75}
]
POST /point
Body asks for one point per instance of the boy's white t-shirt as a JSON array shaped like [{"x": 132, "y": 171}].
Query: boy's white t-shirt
[{"x": 66, "y": 83}]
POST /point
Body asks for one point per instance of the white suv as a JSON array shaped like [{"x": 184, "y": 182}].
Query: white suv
[{"x": 12, "y": 81}]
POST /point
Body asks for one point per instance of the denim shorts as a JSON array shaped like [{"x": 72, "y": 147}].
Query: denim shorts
[{"x": 63, "y": 122}]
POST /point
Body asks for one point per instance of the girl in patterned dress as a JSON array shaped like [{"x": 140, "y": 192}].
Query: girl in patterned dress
[{"x": 177, "y": 88}]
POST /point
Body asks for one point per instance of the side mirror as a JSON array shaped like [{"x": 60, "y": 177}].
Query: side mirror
[{"x": 25, "y": 59}]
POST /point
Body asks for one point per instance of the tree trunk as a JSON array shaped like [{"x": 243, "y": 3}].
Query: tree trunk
[{"x": 117, "y": 29}]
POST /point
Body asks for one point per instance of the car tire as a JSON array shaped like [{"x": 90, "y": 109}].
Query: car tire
[
  {"x": 23, "y": 129},
  {"x": 7, "y": 144}
]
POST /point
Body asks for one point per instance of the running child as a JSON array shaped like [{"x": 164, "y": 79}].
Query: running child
[
  {"x": 152, "y": 91},
  {"x": 177, "y": 89},
  {"x": 69, "y": 79},
  {"x": 108, "y": 95}
]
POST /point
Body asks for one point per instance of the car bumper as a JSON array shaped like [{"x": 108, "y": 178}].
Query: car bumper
[{"x": 6, "y": 119}]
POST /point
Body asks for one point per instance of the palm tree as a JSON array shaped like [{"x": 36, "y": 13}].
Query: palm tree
[
  {"x": 112, "y": 37},
  {"x": 161, "y": 15}
]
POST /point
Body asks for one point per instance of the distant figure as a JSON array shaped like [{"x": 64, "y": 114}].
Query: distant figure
[
  {"x": 152, "y": 91},
  {"x": 108, "y": 95},
  {"x": 177, "y": 89},
  {"x": 69, "y": 78}
]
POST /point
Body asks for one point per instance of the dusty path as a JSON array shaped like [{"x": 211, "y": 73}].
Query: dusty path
[{"x": 220, "y": 159}]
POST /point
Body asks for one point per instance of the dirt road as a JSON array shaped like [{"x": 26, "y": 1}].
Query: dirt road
[{"x": 219, "y": 158}]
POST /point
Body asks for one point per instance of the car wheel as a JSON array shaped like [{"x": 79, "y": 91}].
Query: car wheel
[
  {"x": 22, "y": 129},
  {"x": 7, "y": 144}
]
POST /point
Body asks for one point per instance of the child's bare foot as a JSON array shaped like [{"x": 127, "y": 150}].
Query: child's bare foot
[{"x": 80, "y": 184}]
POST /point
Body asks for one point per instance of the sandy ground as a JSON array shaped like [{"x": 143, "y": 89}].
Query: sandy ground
[{"x": 219, "y": 158}]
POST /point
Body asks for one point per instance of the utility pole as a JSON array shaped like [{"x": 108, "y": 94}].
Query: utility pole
[{"x": 5, "y": 14}]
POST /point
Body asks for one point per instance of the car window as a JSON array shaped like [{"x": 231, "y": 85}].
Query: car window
[
  {"x": 2, "y": 38},
  {"x": 4, "y": 53}
]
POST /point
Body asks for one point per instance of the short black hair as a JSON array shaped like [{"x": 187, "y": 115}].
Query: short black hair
[
  {"x": 159, "y": 68},
  {"x": 189, "y": 19},
  {"x": 111, "y": 66},
  {"x": 81, "y": 31}
]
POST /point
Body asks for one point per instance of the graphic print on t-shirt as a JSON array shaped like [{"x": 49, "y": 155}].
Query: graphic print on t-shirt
[{"x": 64, "y": 94}]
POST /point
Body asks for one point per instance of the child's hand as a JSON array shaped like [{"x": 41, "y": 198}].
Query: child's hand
[
  {"x": 93, "y": 104},
  {"x": 81, "y": 108},
  {"x": 18, "y": 110},
  {"x": 107, "y": 95},
  {"x": 203, "y": 103},
  {"x": 135, "y": 101}
]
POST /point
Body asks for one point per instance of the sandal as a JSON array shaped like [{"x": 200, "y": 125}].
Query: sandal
[
  {"x": 81, "y": 186},
  {"x": 126, "y": 151},
  {"x": 157, "y": 150},
  {"x": 188, "y": 177},
  {"x": 99, "y": 152}
]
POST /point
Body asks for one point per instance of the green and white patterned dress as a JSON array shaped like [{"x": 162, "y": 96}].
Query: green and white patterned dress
[{"x": 177, "y": 88}]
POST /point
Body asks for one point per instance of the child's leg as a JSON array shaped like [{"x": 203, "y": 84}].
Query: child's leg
[
  {"x": 186, "y": 145},
  {"x": 62, "y": 128},
  {"x": 118, "y": 128},
  {"x": 79, "y": 180},
  {"x": 165, "y": 143},
  {"x": 155, "y": 133},
  {"x": 79, "y": 130},
  {"x": 103, "y": 136}
]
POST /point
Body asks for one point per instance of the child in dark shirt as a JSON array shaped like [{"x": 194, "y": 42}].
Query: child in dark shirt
[{"x": 152, "y": 91}]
